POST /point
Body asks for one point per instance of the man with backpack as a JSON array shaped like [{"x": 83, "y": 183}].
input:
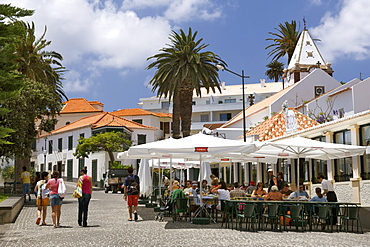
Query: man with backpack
[{"x": 131, "y": 188}]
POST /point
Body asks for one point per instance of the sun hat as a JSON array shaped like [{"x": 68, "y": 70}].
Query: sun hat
[
  {"x": 194, "y": 183},
  {"x": 270, "y": 170},
  {"x": 274, "y": 188}
]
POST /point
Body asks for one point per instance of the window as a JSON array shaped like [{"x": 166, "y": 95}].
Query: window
[
  {"x": 225, "y": 116},
  {"x": 60, "y": 144},
  {"x": 50, "y": 147},
  {"x": 81, "y": 164},
  {"x": 140, "y": 121},
  {"x": 165, "y": 105},
  {"x": 343, "y": 167},
  {"x": 365, "y": 159},
  {"x": 50, "y": 166},
  {"x": 141, "y": 139},
  {"x": 82, "y": 135},
  {"x": 204, "y": 118},
  {"x": 194, "y": 103},
  {"x": 230, "y": 101},
  {"x": 318, "y": 166},
  {"x": 70, "y": 142}
]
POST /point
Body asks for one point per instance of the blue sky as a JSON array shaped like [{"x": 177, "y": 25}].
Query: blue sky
[{"x": 105, "y": 43}]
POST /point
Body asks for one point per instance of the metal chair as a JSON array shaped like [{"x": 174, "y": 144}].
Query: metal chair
[
  {"x": 321, "y": 215},
  {"x": 180, "y": 208},
  {"x": 351, "y": 213},
  {"x": 228, "y": 209},
  {"x": 250, "y": 216},
  {"x": 271, "y": 216},
  {"x": 297, "y": 216}
]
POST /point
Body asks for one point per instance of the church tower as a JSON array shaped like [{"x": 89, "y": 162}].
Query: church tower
[{"x": 305, "y": 59}]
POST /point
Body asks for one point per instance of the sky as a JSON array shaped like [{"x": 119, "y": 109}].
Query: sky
[{"x": 105, "y": 43}]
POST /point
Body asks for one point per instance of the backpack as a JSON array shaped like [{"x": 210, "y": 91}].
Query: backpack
[{"x": 133, "y": 188}]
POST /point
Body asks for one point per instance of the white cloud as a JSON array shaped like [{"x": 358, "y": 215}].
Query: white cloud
[{"x": 346, "y": 33}]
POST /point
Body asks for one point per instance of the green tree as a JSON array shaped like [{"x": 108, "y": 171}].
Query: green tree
[
  {"x": 40, "y": 98},
  {"x": 285, "y": 40},
  {"x": 183, "y": 67},
  {"x": 109, "y": 142},
  {"x": 11, "y": 81},
  {"x": 275, "y": 70}
]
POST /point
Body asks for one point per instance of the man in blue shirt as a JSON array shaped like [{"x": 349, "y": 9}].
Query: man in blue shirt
[
  {"x": 303, "y": 195},
  {"x": 319, "y": 197}
]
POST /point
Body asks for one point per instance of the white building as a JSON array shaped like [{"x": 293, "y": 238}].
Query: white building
[{"x": 214, "y": 109}]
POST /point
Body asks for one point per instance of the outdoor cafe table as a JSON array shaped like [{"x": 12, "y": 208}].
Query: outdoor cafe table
[
  {"x": 209, "y": 201},
  {"x": 286, "y": 203}
]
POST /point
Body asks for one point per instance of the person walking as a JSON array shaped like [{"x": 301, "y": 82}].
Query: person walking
[
  {"x": 55, "y": 200},
  {"x": 131, "y": 188},
  {"x": 26, "y": 183},
  {"x": 42, "y": 200},
  {"x": 83, "y": 202}
]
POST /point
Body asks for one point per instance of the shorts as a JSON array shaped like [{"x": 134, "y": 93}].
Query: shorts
[
  {"x": 42, "y": 202},
  {"x": 55, "y": 200},
  {"x": 26, "y": 188},
  {"x": 132, "y": 200}
]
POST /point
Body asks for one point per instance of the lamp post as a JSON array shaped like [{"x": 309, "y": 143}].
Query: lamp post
[
  {"x": 221, "y": 67},
  {"x": 45, "y": 153}
]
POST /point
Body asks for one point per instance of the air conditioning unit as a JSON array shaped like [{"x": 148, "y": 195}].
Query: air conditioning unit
[{"x": 319, "y": 90}]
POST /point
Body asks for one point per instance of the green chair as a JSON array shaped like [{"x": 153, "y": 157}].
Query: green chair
[
  {"x": 351, "y": 213},
  {"x": 321, "y": 215},
  {"x": 297, "y": 216},
  {"x": 250, "y": 216},
  {"x": 271, "y": 216},
  {"x": 228, "y": 210},
  {"x": 180, "y": 208}
]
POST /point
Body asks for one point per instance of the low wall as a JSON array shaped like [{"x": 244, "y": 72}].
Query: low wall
[{"x": 10, "y": 208}]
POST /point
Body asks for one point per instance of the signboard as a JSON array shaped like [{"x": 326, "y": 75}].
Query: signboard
[
  {"x": 201, "y": 149},
  {"x": 225, "y": 159},
  {"x": 283, "y": 154}
]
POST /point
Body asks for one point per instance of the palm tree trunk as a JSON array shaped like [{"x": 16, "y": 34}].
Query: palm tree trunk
[
  {"x": 176, "y": 117},
  {"x": 186, "y": 97}
]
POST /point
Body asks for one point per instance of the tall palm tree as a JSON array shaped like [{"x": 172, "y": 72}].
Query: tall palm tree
[
  {"x": 275, "y": 70},
  {"x": 285, "y": 40},
  {"x": 41, "y": 98},
  {"x": 183, "y": 67}
]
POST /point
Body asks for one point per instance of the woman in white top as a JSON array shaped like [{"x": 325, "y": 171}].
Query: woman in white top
[
  {"x": 42, "y": 200},
  {"x": 223, "y": 193}
]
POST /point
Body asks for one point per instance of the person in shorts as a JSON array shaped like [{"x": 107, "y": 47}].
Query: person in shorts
[
  {"x": 42, "y": 200},
  {"x": 132, "y": 199},
  {"x": 55, "y": 199},
  {"x": 26, "y": 183}
]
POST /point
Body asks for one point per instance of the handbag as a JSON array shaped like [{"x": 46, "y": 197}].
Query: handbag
[
  {"x": 61, "y": 188},
  {"x": 77, "y": 193}
]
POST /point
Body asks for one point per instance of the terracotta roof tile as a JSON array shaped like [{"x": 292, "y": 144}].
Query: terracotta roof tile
[
  {"x": 79, "y": 105},
  {"x": 275, "y": 126},
  {"x": 138, "y": 112},
  {"x": 100, "y": 120}
]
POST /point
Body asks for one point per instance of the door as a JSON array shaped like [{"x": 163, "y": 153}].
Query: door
[
  {"x": 69, "y": 170},
  {"x": 94, "y": 173}
]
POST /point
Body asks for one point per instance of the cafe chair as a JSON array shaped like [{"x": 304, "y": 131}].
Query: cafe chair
[
  {"x": 351, "y": 213},
  {"x": 322, "y": 214},
  {"x": 180, "y": 209},
  {"x": 296, "y": 216},
  {"x": 249, "y": 214},
  {"x": 228, "y": 210},
  {"x": 271, "y": 216}
]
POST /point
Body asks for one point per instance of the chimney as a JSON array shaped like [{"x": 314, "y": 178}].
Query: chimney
[
  {"x": 262, "y": 82},
  {"x": 223, "y": 84}
]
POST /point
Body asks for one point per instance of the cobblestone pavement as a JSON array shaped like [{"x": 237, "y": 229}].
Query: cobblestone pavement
[{"x": 109, "y": 226}]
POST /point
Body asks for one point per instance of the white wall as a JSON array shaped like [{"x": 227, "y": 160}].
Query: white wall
[{"x": 361, "y": 96}]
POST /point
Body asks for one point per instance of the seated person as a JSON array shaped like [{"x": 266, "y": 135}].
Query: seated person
[
  {"x": 237, "y": 192},
  {"x": 251, "y": 187},
  {"x": 194, "y": 191},
  {"x": 274, "y": 194},
  {"x": 223, "y": 193},
  {"x": 303, "y": 195},
  {"x": 259, "y": 192},
  {"x": 187, "y": 185},
  {"x": 286, "y": 191},
  {"x": 175, "y": 185},
  {"x": 205, "y": 186},
  {"x": 214, "y": 183},
  {"x": 319, "y": 197}
]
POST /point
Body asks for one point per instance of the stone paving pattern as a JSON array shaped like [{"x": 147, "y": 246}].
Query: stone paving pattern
[{"x": 109, "y": 226}]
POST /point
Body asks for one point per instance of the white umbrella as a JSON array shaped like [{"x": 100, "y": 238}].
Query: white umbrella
[
  {"x": 299, "y": 147},
  {"x": 146, "y": 187},
  {"x": 206, "y": 172}
]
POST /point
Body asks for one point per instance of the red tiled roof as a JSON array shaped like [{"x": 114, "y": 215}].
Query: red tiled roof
[
  {"x": 100, "y": 120},
  {"x": 276, "y": 127},
  {"x": 138, "y": 112},
  {"x": 79, "y": 105}
]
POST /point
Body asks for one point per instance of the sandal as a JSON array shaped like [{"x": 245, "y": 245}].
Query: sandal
[
  {"x": 43, "y": 224},
  {"x": 38, "y": 220}
]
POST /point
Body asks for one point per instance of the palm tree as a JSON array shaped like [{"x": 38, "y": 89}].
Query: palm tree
[
  {"x": 285, "y": 40},
  {"x": 41, "y": 98},
  {"x": 275, "y": 70},
  {"x": 183, "y": 67}
]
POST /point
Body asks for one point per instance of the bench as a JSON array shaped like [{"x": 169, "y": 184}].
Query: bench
[{"x": 10, "y": 208}]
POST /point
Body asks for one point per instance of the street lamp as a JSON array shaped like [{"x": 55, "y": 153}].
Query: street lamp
[
  {"x": 45, "y": 153},
  {"x": 222, "y": 67}
]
